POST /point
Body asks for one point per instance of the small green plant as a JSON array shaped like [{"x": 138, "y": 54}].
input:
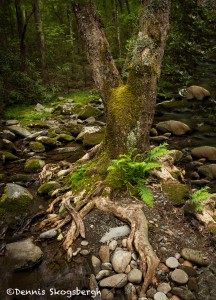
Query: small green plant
[
  {"x": 135, "y": 170},
  {"x": 197, "y": 197}
]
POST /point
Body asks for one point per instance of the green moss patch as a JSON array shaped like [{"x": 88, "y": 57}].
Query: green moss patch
[
  {"x": 36, "y": 147},
  {"x": 33, "y": 165},
  {"x": 7, "y": 156},
  {"x": 47, "y": 188},
  {"x": 176, "y": 192}
]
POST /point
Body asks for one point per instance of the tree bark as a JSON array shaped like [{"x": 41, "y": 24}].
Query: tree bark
[
  {"x": 41, "y": 39},
  {"x": 129, "y": 107}
]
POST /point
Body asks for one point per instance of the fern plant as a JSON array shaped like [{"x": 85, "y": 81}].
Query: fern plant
[
  {"x": 197, "y": 197},
  {"x": 135, "y": 169}
]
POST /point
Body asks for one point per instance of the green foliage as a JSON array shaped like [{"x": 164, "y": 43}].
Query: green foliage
[
  {"x": 197, "y": 197},
  {"x": 135, "y": 169}
]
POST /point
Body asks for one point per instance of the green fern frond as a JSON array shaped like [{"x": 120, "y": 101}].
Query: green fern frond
[
  {"x": 200, "y": 195},
  {"x": 151, "y": 165},
  {"x": 146, "y": 195},
  {"x": 157, "y": 152},
  {"x": 199, "y": 208}
]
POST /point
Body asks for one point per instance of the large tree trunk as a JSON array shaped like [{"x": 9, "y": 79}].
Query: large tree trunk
[
  {"x": 129, "y": 107},
  {"x": 41, "y": 39}
]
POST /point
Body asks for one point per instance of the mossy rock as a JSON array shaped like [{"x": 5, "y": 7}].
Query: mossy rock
[
  {"x": 178, "y": 193},
  {"x": 47, "y": 188},
  {"x": 39, "y": 125},
  {"x": 88, "y": 111},
  {"x": 34, "y": 165},
  {"x": 72, "y": 128},
  {"x": 115, "y": 179},
  {"x": 48, "y": 141},
  {"x": 19, "y": 178},
  {"x": 14, "y": 201},
  {"x": 176, "y": 154},
  {"x": 93, "y": 139},
  {"x": 7, "y": 156},
  {"x": 64, "y": 137},
  {"x": 36, "y": 147}
]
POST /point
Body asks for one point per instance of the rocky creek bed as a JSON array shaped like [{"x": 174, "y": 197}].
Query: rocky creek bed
[{"x": 32, "y": 260}]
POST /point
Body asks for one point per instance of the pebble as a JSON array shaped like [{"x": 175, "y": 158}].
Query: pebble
[
  {"x": 106, "y": 266},
  {"x": 117, "y": 281},
  {"x": 104, "y": 254},
  {"x": 124, "y": 243},
  {"x": 195, "y": 256},
  {"x": 84, "y": 243},
  {"x": 84, "y": 252},
  {"x": 130, "y": 291},
  {"x": 151, "y": 292},
  {"x": 160, "y": 296},
  {"x": 120, "y": 260},
  {"x": 174, "y": 298},
  {"x": 172, "y": 262},
  {"x": 49, "y": 234},
  {"x": 96, "y": 263},
  {"x": 177, "y": 255},
  {"x": 189, "y": 270},
  {"x": 127, "y": 270},
  {"x": 102, "y": 274},
  {"x": 112, "y": 245},
  {"x": 76, "y": 252},
  {"x": 179, "y": 276},
  {"x": 164, "y": 288},
  {"x": 134, "y": 256},
  {"x": 135, "y": 276},
  {"x": 183, "y": 293},
  {"x": 163, "y": 268},
  {"x": 187, "y": 263},
  {"x": 107, "y": 294},
  {"x": 133, "y": 264}
]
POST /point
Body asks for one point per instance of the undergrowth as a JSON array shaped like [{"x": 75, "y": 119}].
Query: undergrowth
[
  {"x": 197, "y": 197},
  {"x": 135, "y": 168}
]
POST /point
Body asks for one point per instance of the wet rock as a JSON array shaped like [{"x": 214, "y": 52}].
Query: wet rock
[
  {"x": 7, "y": 156},
  {"x": 129, "y": 291},
  {"x": 36, "y": 147},
  {"x": 177, "y": 193},
  {"x": 206, "y": 283},
  {"x": 24, "y": 254},
  {"x": 164, "y": 288},
  {"x": 106, "y": 266},
  {"x": 96, "y": 263},
  {"x": 104, "y": 254},
  {"x": 208, "y": 171},
  {"x": 117, "y": 281},
  {"x": 204, "y": 151},
  {"x": 107, "y": 294},
  {"x": 176, "y": 127},
  {"x": 87, "y": 112},
  {"x": 160, "y": 296},
  {"x": 8, "y": 145},
  {"x": 47, "y": 188},
  {"x": 195, "y": 256},
  {"x": 115, "y": 233},
  {"x": 172, "y": 262},
  {"x": 195, "y": 91},
  {"x": 120, "y": 260},
  {"x": 49, "y": 234},
  {"x": 15, "y": 200},
  {"x": 135, "y": 276},
  {"x": 8, "y": 135},
  {"x": 183, "y": 293},
  {"x": 19, "y": 131},
  {"x": 179, "y": 276},
  {"x": 33, "y": 165},
  {"x": 112, "y": 245},
  {"x": 102, "y": 274}
]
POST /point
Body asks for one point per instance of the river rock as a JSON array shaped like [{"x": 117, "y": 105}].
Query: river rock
[
  {"x": 11, "y": 122},
  {"x": 8, "y": 135},
  {"x": 34, "y": 165},
  {"x": 49, "y": 142},
  {"x": 47, "y": 188},
  {"x": 130, "y": 291},
  {"x": 49, "y": 234},
  {"x": 195, "y": 91},
  {"x": 172, "y": 262},
  {"x": 24, "y": 254},
  {"x": 36, "y": 147},
  {"x": 183, "y": 293},
  {"x": 7, "y": 156},
  {"x": 104, "y": 254},
  {"x": 96, "y": 263},
  {"x": 204, "y": 151},
  {"x": 195, "y": 256},
  {"x": 208, "y": 171},
  {"x": 94, "y": 287},
  {"x": 179, "y": 276},
  {"x": 88, "y": 111},
  {"x": 112, "y": 245},
  {"x": 164, "y": 287},
  {"x": 117, "y": 281},
  {"x": 19, "y": 131},
  {"x": 102, "y": 274},
  {"x": 115, "y": 232},
  {"x": 120, "y": 260},
  {"x": 8, "y": 145},
  {"x": 175, "y": 127},
  {"x": 107, "y": 294},
  {"x": 135, "y": 276},
  {"x": 160, "y": 296},
  {"x": 106, "y": 266},
  {"x": 91, "y": 136}
]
